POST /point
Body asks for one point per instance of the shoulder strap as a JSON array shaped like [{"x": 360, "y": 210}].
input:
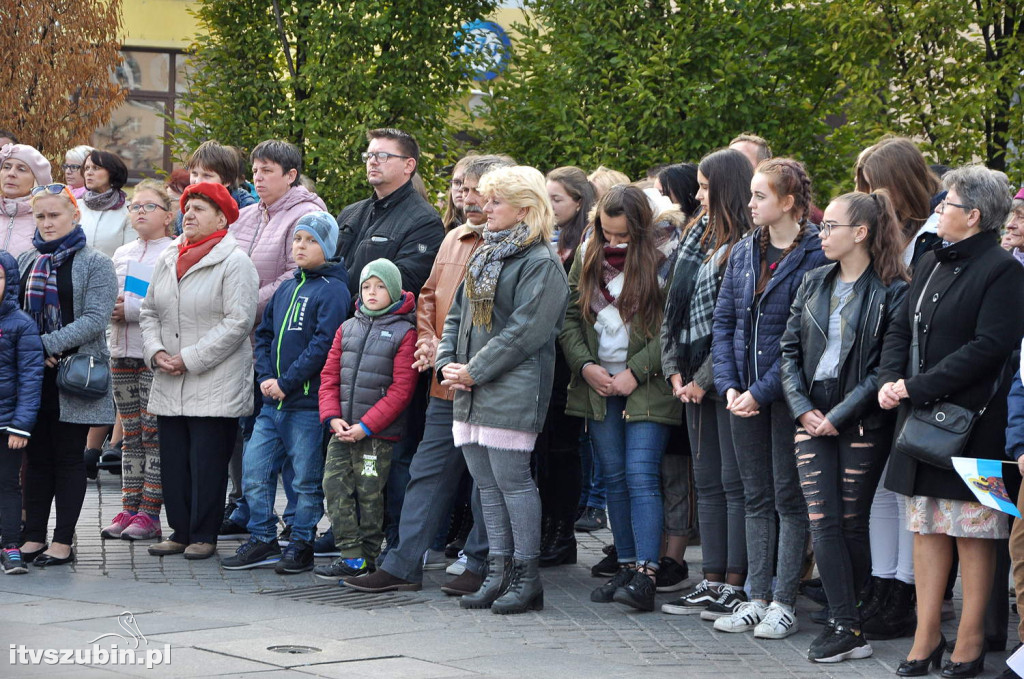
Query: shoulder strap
[{"x": 915, "y": 342}]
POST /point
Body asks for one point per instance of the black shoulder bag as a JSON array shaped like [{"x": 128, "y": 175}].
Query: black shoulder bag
[{"x": 83, "y": 376}]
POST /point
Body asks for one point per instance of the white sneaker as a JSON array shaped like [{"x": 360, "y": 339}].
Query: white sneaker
[
  {"x": 433, "y": 560},
  {"x": 747, "y": 616},
  {"x": 779, "y": 622},
  {"x": 459, "y": 567}
]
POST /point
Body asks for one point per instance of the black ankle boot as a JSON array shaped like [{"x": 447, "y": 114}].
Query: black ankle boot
[
  {"x": 524, "y": 590},
  {"x": 496, "y": 582},
  {"x": 561, "y": 547},
  {"x": 874, "y": 598},
  {"x": 548, "y": 534},
  {"x": 898, "y": 617}
]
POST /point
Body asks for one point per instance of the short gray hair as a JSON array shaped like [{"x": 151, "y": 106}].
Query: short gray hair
[
  {"x": 980, "y": 188},
  {"x": 478, "y": 166},
  {"x": 78, "y": 154}
]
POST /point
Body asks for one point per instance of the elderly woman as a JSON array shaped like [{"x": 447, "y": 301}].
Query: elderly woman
[
  {"x": 965, "y": 301},
  {"x": 74, "y": 160},
  {"x": 104, "y": 205},
  {"x": 21, "y": 168},
  {"x": 195, "y": 320},
  {"x": 69, "y": 289},
  {"x": 498, "y": 352}
]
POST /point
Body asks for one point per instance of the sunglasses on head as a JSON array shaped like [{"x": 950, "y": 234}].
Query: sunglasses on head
[{"x": 54, "y": 190}]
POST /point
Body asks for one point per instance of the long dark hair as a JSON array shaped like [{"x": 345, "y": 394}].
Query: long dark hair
[
  {"x": 574, "y": 181},
  {"x": 787, "y": 178},
  {"x": 680, "y": 181},
  {"x": 642, "y": 297},
  {"x": 876, "y": 211},
  {"x": 897, "y": 165},
  {"x": 728, "y": 173}
]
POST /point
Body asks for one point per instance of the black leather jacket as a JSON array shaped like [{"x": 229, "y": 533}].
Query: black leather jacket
[{"x": 867, "y": 317}]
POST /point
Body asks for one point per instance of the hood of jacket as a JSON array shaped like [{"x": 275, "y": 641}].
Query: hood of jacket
[
  {"x": 333, "y": 269},
  {"x": 295, "y": 196},
  {"x": 12, "y": 282}
]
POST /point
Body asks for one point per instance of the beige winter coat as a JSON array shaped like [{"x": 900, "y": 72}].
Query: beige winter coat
[{"x": 206, "y": 317}]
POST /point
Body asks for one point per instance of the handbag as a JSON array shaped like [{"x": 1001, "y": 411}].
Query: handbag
[
  {"x": 84, "y": 376},
  {"x": 934, "y": 434}
]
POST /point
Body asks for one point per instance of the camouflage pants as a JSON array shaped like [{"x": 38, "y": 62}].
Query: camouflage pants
[{"x": 356, "y": 473}]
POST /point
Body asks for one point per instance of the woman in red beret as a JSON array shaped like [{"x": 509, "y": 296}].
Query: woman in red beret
[{"x": 195, "y": 323}]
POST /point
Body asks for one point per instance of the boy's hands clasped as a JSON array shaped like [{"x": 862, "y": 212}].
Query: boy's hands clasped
[{"x": 343, "y": 431}]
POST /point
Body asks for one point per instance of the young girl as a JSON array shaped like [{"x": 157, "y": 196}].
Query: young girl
[
  {"x": 617, "y": 291},
  {"x": 830, "y": 355},
  {"x": 141, "y": 496},
  {"x": 723, "y": 180},
  {"x": 760, "y": 282}
]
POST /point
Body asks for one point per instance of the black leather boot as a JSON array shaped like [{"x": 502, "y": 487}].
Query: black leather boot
[
  {"x": 561, "y": 548},
  {"x": 524, "y": 590},
  {"x": 874, "y": 598},
  {"x": 897, "y": 619},
  {"x": 496, "y": 582}
]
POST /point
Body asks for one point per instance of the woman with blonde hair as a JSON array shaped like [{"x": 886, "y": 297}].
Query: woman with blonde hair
[
  {"x": 604, "y": 178},
  {"x": 498, "y": 352}
]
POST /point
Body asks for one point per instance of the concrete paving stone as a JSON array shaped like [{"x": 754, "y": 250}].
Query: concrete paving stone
[
  {"x": 44, "y": 612},
  {"x": 156, "y": 623},
  {"x": 259, "y": 649},
  {"x": 407, "y": 668}
]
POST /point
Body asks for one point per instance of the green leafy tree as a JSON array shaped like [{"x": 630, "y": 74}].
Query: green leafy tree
[{"x": 319, "y": 73}]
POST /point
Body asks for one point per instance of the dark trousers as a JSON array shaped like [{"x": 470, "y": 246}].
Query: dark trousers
[
  {"x": 401, "y": 459},
  {"x": 838, "y": 475},
  {"x": 10, "y": 495},
  {"x": 194, "y": 469},
  {"x": 55, "y": 475},
  {"x": 557, "y": 452}
]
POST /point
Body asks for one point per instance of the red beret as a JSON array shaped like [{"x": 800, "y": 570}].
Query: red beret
[{"x": 215, "y": 192}]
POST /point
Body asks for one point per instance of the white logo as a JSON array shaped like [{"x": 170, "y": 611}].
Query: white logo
[{"x": 123, "y": 650}]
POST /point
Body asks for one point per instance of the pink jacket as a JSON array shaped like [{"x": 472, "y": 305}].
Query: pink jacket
[
  {"x": 126, "y": 337},
  {"x": 265, "y": 234},
  {"x": 17, "y": 225}
]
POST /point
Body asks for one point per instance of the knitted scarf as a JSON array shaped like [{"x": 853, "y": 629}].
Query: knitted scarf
[
  {"x": 614, "y": 266},
  {"x": 41, "y": 299},
  {"x": 108, "y": 200},
  {"x": 15, "y": 207},
  {"x": 485, "y": 265},
  {"x": 189, "y": 254}
]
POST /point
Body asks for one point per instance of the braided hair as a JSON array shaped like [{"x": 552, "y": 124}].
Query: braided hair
[{"x": 787, "y": 177}]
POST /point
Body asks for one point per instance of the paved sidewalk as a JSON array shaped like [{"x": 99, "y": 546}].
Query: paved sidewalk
[{"x": 235, "y": 623}]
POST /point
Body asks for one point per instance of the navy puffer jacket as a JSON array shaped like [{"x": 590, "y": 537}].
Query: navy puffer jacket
[
  {"x": 746, "y": 347},
  {"x": 21, "y": 358}
]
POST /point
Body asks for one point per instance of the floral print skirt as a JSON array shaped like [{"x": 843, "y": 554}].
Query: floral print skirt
[{"x": 955, "y": 518}]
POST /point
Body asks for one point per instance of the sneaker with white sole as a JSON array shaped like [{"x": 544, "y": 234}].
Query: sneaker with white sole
[
  {"x": 729, "y": 599},
  {"x": 841, "y": 644},
  {"x": 747, "y": 616},
  {"x": 779, "y": 622},
  {"x": 694, "y": 601},
  {"x": 459, "y": 567}
]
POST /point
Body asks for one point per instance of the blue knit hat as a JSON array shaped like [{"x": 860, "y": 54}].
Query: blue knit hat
[{"x": 323, "y": 227}]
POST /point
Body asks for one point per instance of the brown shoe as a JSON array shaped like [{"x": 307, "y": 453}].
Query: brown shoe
[
  {"x": 200, "y": 550},
  {"x": 381, "y": 581},
  {"x": 166, "y": 548},
  {"x": 466, "y": 583}
]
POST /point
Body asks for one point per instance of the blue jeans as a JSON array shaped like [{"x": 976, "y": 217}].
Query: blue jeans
[
  {"x": 592, "y": 492},
  {"x": 630, "y": 457},
  {"x": 280, "y": 437}
]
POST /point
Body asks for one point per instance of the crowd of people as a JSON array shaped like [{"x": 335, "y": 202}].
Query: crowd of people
[{"x": 703, "y": 354}]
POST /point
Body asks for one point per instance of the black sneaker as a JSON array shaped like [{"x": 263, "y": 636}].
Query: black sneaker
[
  {"x": 672, "y": 576},
  {"x": 252, "y": 554},
  {"x": 605, "y": 594},
  {"x": 638, "y": 593},
  {"x": 608, "y": 566},
  {"x": 729, "y": 599},
  {"x": 297, "y": 558},
  {"x": 593, "y": 519},
  {"x": 285, "y": 538},
  {"x": 343, "y": 568},
  {"x": 324, "y": 545},
  {"x": 229, "y": 529},
  {"x": 11, "y": 562},
  {"x": 694, "y": 601},
  {"x": 842, "y": 644}
]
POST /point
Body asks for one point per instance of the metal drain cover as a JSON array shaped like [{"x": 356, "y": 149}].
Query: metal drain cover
[
  {"x": 294, "y": 650},
  {"x": 332, "y": 595}
]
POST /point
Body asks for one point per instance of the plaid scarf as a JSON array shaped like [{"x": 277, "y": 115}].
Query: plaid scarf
[
  {"x": 485, "y": 265},
  {"x": 41, "y": 299},
  {"x": 614, "y": 266}
]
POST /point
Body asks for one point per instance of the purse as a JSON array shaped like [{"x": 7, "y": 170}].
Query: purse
[
  {"x": 934, "y": 434},
  {"x": 84, "y": 376}
]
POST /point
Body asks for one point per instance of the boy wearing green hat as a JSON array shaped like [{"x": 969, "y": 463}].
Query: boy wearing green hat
[{"x": 365, "y": 388}]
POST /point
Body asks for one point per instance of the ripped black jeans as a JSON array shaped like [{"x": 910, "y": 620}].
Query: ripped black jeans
[{"x": 838, "y": 476}]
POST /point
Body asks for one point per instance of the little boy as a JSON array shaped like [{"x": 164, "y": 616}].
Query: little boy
[
  {"x": 292, "y": 343},
  {"x": 365, "y": 388},
  {"x": 21, "y": 383}
]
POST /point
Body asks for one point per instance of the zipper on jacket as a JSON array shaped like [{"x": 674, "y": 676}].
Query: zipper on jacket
[
  {"x": 10, "y": 232},
  {"x": 359, "y": 359},
  {"x": 284, "y": 324},
  {"x": 860, "y": 345},
  {"x": 305, "y": 388}
]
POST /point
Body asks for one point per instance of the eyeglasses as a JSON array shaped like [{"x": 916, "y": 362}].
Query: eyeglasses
[
  {"x": 381, "y": 156},
  {"x": 456, "y": 183},
  {"x": 73, "y": 168},
  {"x": 944, "y": 203},
  {"x": 826, "y": 228},
  {"x": 145, "y": 208}
]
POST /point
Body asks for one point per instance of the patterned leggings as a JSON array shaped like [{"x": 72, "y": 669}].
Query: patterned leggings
[{"x": 140, "y": 458}]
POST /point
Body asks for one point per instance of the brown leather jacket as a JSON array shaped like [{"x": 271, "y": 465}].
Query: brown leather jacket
[{"x": 438, "y": 292}]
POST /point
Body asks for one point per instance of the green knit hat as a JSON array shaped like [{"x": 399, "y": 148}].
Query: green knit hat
[{"x": 388, "y": 273}]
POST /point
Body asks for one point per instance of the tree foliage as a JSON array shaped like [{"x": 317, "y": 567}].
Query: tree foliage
[
  {"x": 320, "y": 73},
  {"x": 55, "y": 82}
]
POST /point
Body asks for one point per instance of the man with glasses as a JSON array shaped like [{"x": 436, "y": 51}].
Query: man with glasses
[{"x": 395, "y": 222}]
